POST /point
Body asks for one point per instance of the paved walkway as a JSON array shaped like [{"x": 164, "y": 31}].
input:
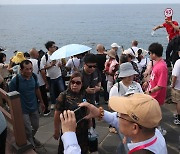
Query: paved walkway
[{"x": 108, "y": 142}]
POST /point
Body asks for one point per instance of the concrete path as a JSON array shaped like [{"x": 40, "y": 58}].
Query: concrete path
[{"x": 108, "y": 142}]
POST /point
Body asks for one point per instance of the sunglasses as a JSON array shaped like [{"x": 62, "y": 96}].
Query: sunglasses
[
  {"x": 91, "y": 66},
  {"x": 76, "y": 82}
]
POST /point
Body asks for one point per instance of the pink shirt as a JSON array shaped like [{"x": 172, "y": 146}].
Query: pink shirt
[{"x": 159, "y": 76}]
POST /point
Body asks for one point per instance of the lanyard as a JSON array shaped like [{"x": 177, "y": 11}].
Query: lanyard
[{"x": 143, "y": 146}]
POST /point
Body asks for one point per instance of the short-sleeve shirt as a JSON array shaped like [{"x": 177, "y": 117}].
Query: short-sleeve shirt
[
  {"x": 68, "y": 100},
  {"x": 91, "y": 80},
  {"x": 159, "y": 76},
  {"x": 36, "y": 71},
  {"x": 73, "y": 63},
  {"x": 54, "y": 72},
  {"x": 123, "y": 90},
  {"x": 26, "y": 88},
  {"x": 170, "y": 30},
  {"x": 176, "y": 72}
]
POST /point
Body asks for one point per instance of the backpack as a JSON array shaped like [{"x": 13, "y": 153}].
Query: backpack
[{"x": 17, "y": 80}]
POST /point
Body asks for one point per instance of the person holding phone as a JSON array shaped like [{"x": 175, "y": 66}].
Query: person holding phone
[
  {"x": 136, "y": 116},
  {"x": 92, "y": 84},
  {"x": 69, "y": 100}
]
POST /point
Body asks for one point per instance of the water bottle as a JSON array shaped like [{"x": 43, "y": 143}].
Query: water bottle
[{"x": 152, "y": 33}]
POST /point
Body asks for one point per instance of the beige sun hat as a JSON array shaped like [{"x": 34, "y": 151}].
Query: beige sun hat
[
  {"x": 18, "y": 58},
  {"x": 111, "y": 53},
  {"x": 129, "y": 51},
  {"x": 141, "y": 108}
]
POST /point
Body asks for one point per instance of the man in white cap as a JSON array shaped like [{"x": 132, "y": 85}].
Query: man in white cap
[
  {"x": 115, "y": 47},
  {"x": 136, "y": 116}
]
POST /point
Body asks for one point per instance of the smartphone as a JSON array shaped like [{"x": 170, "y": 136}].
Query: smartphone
[{"x": 80, "y": 113}]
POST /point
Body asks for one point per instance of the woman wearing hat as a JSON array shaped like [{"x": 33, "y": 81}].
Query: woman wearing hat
[
  {"x": 126, "y": 86},
  {"x": 15, "y": 61},
  {"x": 111, "y": 66},
  {"x": 131, "y": 58}
]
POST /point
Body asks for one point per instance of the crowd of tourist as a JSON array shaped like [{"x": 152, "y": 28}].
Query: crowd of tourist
[{"x": 133, "y": 84}]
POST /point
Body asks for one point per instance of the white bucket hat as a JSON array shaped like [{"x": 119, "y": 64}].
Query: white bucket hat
[
  {"x": 126, "y": 69},
  {"x": 115, "y": 45},
  {"x": 143, "y": 53}
]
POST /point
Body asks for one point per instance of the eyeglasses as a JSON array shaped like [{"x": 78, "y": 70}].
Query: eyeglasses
[
  {"x": 76, "y": 82},
  {"x": 118, "y": 116},
  {"x": 91, "y": 66}
]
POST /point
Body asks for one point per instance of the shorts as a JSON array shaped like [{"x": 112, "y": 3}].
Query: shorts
[{"x": 175, "y": 95}]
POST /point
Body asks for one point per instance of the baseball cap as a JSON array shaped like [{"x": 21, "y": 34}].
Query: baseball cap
[
  {"x": 115, "y": 45},
  {"x": 141, "y": 108}
]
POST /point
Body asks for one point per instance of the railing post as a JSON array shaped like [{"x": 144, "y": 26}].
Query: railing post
[
  {"x": 18, "y": 122},
  {"x": 17, "y": 118}
]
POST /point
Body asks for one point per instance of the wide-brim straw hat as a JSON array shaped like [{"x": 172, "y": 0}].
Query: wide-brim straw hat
[
  {"x": 111, "y": 53},
  {"x": 18, "y": 58},
  {"x": 126, "y": 69}
]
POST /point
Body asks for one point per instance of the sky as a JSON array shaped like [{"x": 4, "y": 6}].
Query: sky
[{"x": 88, "y": 1}]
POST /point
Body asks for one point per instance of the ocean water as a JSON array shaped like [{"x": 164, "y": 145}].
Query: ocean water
[{"x": 25, "y": 26}]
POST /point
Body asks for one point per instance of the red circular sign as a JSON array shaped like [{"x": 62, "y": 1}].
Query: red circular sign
[{"x": 168, "y": 12}]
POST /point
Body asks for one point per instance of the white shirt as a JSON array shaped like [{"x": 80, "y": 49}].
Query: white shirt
[
  {"x": 36, "y": 71},
  {"x": 159, "y": 147},
  {"x": 135, "y": 49},
  {"x": 71, "y": 145},
  {"x": 3, "y": 71},
  {"x": 135, "y": 89},
  {"x": 144, "y": 62},
  {"x": 72, "y": 63},
  {"x": 176, "y": 72},
  {"x": 53, "y": 72}
]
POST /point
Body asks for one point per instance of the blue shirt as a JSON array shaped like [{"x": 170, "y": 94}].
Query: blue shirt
[{"x": 26, "y": 88}]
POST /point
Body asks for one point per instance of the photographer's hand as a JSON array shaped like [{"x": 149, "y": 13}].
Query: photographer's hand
[
  {"x": 94, "y": 112},
  {"x": 68, "y": 121}
]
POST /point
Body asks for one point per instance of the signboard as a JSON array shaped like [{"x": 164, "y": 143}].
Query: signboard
[{"x": 168, "y": 12}]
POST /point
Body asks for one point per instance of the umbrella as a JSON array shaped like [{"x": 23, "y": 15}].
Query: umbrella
[{"x": 69, "y": 50}]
